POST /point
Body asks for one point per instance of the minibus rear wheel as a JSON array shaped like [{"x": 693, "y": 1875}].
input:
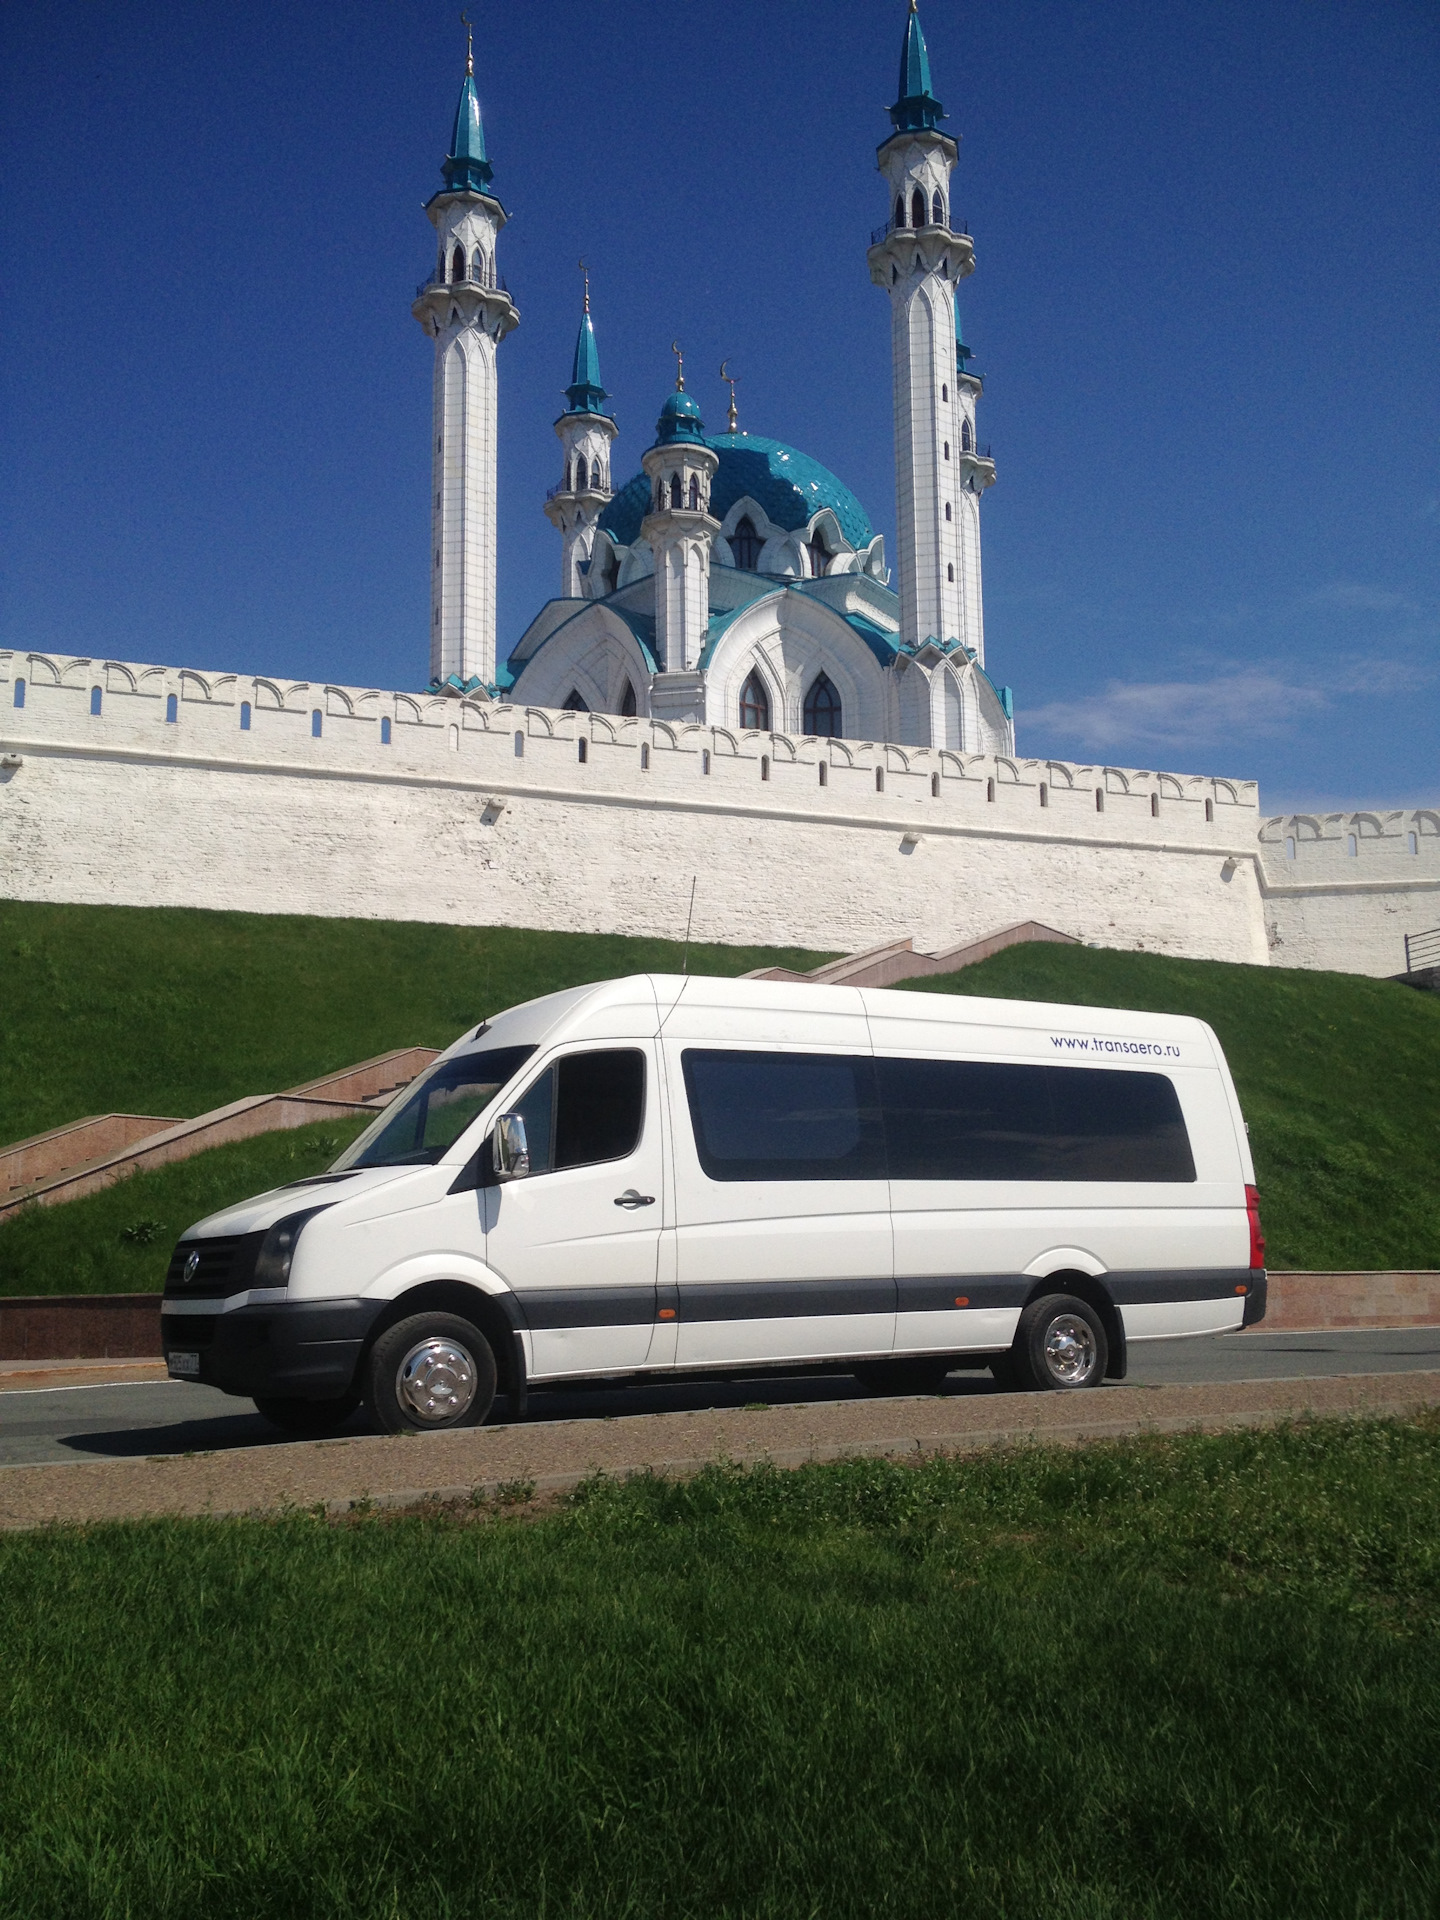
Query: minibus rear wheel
[
  {"x": 1059, "y": 1346},
  {"x": 430, "y": 1373}
]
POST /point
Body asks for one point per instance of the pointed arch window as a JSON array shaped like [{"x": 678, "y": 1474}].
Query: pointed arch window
[
  {"x": 822, "y": 707},
  {"x": 917, "y": 208},
  {"x": 457, "y": 264},
  {"x": 937, "y": 209},
  {"x": 745, "y": 544},
  {"x": 627, "y": 702},
  {"x": 477, "y": 267},
  {"x": 899, "y": 209},
  {"x": 595, "y": 474},
  {"x": 610, "y": 571},
  {"x": 574, "y": 702},
  {"x": 967, "y": 438},
  {"x": 677, "y": 498},
  {"x": 819, "y": 558},
  {"x": 754, "y": 705},
  {"x": 694, "y": 493}
]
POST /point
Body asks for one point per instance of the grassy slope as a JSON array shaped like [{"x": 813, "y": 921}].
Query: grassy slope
[
  {"x": 1339, "y": 1078},
  {"x": 119, "y": 1241},
  {"x": 170, "y": 1010},
  {"x": 1178, "y": 1677}
]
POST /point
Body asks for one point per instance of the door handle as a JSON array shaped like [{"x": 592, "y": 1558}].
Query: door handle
[{"x": 630, "y": 1198}]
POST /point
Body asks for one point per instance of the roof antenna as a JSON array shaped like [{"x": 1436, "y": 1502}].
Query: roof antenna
[
  {"x": 679, "y": 366},
  {"x": 469, "y": 44},
  {"x": 734, "y": 416},
  {"x": 689, "y": 921}
]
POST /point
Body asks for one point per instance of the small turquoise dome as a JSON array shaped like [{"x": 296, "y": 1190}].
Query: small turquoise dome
[{"x": 679, "y": 420}]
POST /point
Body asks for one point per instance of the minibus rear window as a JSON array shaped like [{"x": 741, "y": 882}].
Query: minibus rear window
[
  {"x": 981, "y": 1120},
  {"x": 784, "y": 1116},
  {"x": 430, "y": 1115}
]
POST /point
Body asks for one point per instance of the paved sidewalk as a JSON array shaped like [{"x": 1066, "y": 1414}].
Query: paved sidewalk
[{"x": 555, "y": 1455}]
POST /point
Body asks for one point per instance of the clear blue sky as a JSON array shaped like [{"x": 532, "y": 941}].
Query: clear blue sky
[{"x": 1207, "y": 305}]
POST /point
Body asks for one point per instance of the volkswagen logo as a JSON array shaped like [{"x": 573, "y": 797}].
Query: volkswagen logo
[{"x": 192, "y": 1266}]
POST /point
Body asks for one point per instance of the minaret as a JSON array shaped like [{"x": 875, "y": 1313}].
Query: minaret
[
  {"x": 918, "y": 259},
  {"x": 585, "y": 432},
  {"x": 467, "y": 310},
  {"x": 975, "y": 471},
  {"x": 680, "y": 531}
]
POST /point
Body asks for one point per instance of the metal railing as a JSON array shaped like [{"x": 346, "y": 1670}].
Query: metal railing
[
  {"x": 1422, "y": 950},
  {"x": 584, "y": 487},
  {"x": 492, "y": 282},
  {"x": 903, "y": 226},
  {"x": 978, "y": 452}
]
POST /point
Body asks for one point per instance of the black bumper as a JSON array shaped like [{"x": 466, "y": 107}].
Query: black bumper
[
  {"x": 302, "y": 1349},
  {"x": 1255, "y": 1298}
]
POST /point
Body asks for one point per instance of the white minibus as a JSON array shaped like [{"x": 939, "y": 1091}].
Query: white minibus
[{"x": 668, "y": 1175}]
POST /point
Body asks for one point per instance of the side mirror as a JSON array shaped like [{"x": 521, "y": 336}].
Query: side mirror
[{"x": 510, "y": 1148}]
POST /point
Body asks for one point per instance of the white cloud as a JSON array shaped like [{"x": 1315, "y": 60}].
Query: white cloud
[
  {"x": 1354, "y": 596},
  {"x": 1242, "y": 705}
]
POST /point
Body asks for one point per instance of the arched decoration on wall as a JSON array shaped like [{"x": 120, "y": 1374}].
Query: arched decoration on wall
[
  {"x": 745, "y": 544},
  {"x": 754, "y": 704},
  {"x": 917, "y": 208},
  {"x": 822, "y": 707}
]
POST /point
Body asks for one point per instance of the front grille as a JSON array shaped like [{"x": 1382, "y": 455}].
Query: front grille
[{"x": 223, "y": 1267}]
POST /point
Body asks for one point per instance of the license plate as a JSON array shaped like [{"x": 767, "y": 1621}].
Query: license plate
[{"x": 184, "y": 1365}]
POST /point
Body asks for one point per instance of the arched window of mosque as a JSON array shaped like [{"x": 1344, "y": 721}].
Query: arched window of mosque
[
  {"x": 947, "y": 509},
  {"x": 755, "y": 705},
  {"x": 944, "y": 391},
  {"x": 819, "y": 558},
  {"x": 950, "y": 574},
  {"x": 477, "y": 266},
  {"x": 676, "y": 497},
  {"x": 627, "y": 702},
  {"x": 457, "y": 264},
  {"x": 822, "y": 707},
  {"x": 899, "y": 209},
  {"x": 595, "y": 473},
  {"x": 609, "y": 574},
  {"x": 917, "y": 208},
  {"x": 937, "y": 209},
  {"x": 967, "y": 439},
  {"x": 745, "y": 544},
  {"x": 574, "y": 702},
  {"x": 947, "y": 449},
  {"x": 694, "y": 493}
]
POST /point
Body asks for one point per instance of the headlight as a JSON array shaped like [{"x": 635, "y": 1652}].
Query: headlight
[{"x": 277, "y": 1249}]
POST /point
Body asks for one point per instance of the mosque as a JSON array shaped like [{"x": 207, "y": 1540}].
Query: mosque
[{"x": 734, "y": 581}]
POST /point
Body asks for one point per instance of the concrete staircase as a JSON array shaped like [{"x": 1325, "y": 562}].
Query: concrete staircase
[
  {"x": 85, "y": 1156},
  {"x": 897, "y": 960}
]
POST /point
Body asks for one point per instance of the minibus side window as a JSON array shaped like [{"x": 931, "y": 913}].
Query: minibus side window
[
  {"x": 983, "y": 1120},
  {"x": 587, "y": 1108},
  {"x": 784, "y": 1116}
]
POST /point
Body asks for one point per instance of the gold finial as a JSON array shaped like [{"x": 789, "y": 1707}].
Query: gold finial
[
  {"x": 587, "y": 285},
  {"x": 470, "y": 43},
  {"x": 730, "y": 382},
  {"x": 913, "y": 7},
  {"x": 679, "y": 366}
]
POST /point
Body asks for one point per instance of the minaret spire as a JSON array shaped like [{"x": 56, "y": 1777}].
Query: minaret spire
[
  {"x": 585, "y": 432},
  {"x": 467, "y": 312}
]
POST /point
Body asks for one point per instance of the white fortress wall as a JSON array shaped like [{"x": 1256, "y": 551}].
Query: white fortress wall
[
  {"x": 1343, "y": 889},
  {"x": 481, "y": 814}
]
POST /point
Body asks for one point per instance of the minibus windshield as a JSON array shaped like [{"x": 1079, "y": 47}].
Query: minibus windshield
[{"x": 428, "y": 1117}]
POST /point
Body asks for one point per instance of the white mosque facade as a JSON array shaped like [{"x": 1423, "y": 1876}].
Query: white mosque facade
[{"x": 734, "y": 581}]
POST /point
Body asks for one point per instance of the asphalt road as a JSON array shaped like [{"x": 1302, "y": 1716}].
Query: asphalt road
[{"x": 54, "y": 1424}]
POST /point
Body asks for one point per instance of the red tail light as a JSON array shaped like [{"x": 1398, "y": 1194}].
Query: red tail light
[{"x": 1257, "y": 1235}]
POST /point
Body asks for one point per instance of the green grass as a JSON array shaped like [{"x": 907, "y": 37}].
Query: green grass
[
  {"x": 1339, "y": 1078},
  {"x": 1187, "y": 1677},
  {"x": 119, "y": 1241},
  {"x": 171, "y": 1010}
]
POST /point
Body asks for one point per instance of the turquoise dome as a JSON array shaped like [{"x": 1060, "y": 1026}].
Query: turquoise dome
[
  {"x": 679, "y": 420},
  {"x": 789, "y": 485}
]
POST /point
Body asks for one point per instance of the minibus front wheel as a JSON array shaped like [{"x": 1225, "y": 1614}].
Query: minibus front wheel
[
  {"x": 1059, "y": 1345},
  {"x": 429, "y": 1374}
]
